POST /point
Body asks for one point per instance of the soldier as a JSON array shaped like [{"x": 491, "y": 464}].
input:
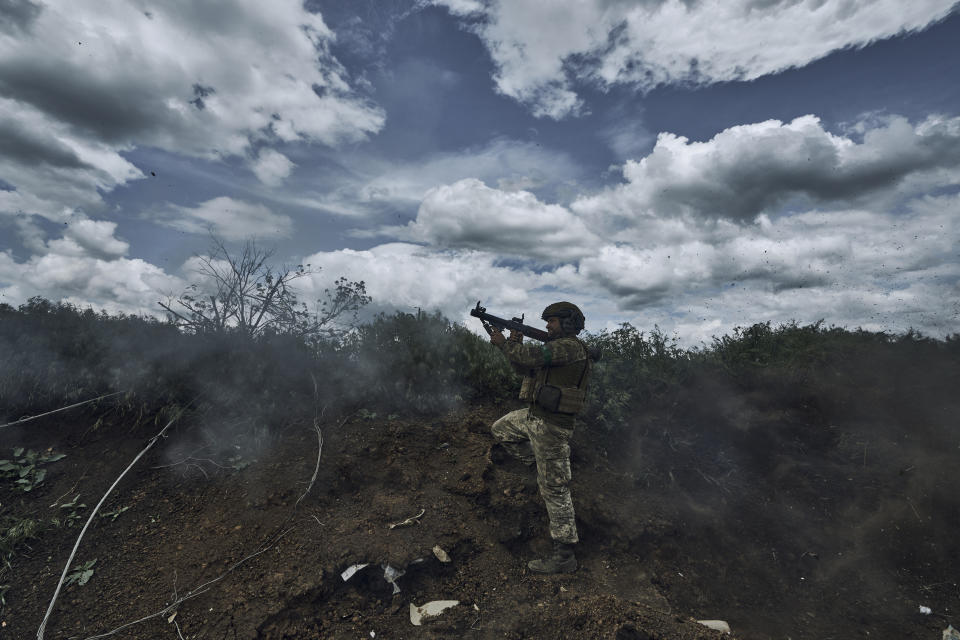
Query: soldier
[{"x": 555, "y": 378}]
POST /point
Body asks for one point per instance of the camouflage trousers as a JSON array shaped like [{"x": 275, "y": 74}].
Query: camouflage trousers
[{"x": 533, "y": 439}]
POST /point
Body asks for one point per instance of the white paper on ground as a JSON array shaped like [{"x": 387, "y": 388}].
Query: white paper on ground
[
  {"x": 417, "y": 614},
  {"x": 352, "y": 569},
  {"x": 716, "y": 625}
]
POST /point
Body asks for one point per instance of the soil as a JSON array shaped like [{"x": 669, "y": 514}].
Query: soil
[{"x": 775, "y": 520}]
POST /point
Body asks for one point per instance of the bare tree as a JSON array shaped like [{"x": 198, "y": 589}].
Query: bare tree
[{"x": 243, "y": 292}]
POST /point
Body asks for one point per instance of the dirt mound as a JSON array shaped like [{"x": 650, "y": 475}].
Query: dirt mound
[{"x": 772, "y": 519}]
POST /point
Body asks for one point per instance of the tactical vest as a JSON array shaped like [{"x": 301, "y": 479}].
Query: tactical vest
[{"x": 559, "y": 389}]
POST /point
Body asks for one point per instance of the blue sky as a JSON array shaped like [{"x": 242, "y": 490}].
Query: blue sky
[{"x": 690, "y": 164}]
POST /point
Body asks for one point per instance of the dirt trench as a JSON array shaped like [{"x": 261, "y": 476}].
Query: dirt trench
[{"x": 744, "y": 520}]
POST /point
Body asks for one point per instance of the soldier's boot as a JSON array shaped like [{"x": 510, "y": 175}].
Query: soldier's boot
[{"x": 562, "y": 560}]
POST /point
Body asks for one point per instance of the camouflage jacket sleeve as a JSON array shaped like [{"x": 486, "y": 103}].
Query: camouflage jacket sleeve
[{"x": 536, "y": 356}]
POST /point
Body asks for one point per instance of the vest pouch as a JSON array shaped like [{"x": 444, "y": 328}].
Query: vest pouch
[
  {"x": 549, "y": 397},
  {"x": 527, "y": 386},
  {"x": 571, "y": 400}
]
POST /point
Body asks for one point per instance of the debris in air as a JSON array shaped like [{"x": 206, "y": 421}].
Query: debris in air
[
  {"x": 442, "y": 555},
  {"x": 925, "y": 610},
  {"x": 716, "y": 625},
  {"x": 435, "y": 608},
  {"x": 411, "y": 520}
]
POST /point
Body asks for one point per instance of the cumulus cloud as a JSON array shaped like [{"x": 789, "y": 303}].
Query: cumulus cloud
[
  {"x": 97, "y": 237},
  {"x": 881, "y": 271},
  {"x": 468, "y": 214},
  {"x": 228, "y": 218},
  {"x": 157, "y": 74},
  {"x": 541, "y": 54},
  {"x": 374, "y": 186},
  {"x": 750, "y": 169},
  {"x": 407, "y": 276},
  {"x": 85, "y": 267},
  {"x": 770, "y": 221},
  {"x": 850, "y": 267},
  {"x": 52, "y": 169},
  {"x": 272, "y": 167},
  {"x": 203, "y": 79}
]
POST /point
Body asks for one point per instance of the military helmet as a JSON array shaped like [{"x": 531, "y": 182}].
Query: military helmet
[{"x": 571, "y": 318}]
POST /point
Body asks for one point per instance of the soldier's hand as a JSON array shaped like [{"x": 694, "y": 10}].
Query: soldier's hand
[
  {"x": 497, "y": 338},
  {"x": 516, "y": 336}
]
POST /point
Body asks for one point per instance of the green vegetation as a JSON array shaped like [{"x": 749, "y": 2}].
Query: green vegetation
[
  {"x": 788, "y": 365},
  {"x": 406, "y": 363},
  {"x": 25, "y": 467},
  {"x": 425, "y": 363},
  {"x": 82, "y": 574},
  {"x": 70, "y": 513},
  {"x": 112, "y": 514},
  {"x": 397, "y": 363},
  {"x": 14, "y": 532},
  {"x": 636, "y": 370}
]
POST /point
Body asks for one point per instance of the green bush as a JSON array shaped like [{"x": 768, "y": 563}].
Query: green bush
[
  {"x": 635, "y": 370},
  {"x": 425, "y": 362},
  {"x": 56, "y": 354},
  {"x": 787, "y": 359}
]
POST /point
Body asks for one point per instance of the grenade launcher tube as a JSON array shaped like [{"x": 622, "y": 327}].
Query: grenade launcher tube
[{"x": 512, "y": 325}]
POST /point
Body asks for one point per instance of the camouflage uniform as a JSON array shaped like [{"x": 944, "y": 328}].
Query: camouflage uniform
[{"x": 542, "y": 434}]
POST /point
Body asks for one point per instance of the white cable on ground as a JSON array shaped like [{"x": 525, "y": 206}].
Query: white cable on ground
[
  {"x": 21, "y": 420},
  {"x": 317, "y": 469},
  {"x": 93, "y": 513},
  {"x": 193, "y": 593}
]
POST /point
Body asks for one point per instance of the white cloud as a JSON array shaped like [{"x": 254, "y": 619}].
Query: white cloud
[
  {"x": 500, "y": 161},
  {"x": 462, "y": 7},
  {"x": 849, "y": 267},
  {"x": 541, "y": 51},
  {"x": 852, "y": 267},
  {"x": 53, "y": 168},
  {"x": 749, "y": 169},
  {"x": 83, "y": 268},
  {"x": 272, "y": 167},
  {"x": 190, "y": 77},
  {"x": 686, "y": 242},
  {"x": 407, "y": 276},
  {"x": 650, "y": 252},
  {"x": 96, "y": 237},
  {"x": 203, "y": 79},
  {"x": 375, "y": 185},
  {"x": 468, "y": 214},
  {"x": 626, "y": 135},
  {"x": 228, "y": 218}
]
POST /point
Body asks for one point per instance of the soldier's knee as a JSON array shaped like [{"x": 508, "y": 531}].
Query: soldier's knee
[
  {"x": 555, "y": 488},
  {"x": 554, "y": 473}
]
